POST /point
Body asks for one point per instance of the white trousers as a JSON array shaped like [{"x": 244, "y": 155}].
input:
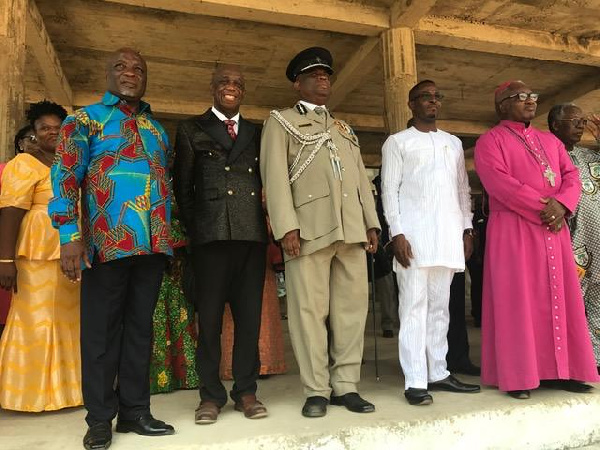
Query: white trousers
[{"x": 423, "y": 299}]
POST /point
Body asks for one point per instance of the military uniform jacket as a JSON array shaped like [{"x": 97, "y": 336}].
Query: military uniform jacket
[
  {"x": 217, "y": 181},
  {"x": 324, "y": 208}
]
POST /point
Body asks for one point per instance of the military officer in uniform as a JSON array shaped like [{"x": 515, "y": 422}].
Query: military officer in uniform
[{"x": 322, "y": 210}]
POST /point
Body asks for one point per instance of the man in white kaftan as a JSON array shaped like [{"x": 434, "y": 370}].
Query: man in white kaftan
[{"x": 427, "y": 205}]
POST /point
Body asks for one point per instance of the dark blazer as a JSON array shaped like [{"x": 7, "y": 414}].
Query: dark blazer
[{"x": 217, "y": 181}]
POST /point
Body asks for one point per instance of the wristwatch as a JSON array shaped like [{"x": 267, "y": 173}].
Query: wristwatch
[{"x": 468, "y": 231}]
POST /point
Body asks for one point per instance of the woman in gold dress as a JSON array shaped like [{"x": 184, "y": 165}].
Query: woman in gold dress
[
  {"x": 22, "y": 143},
  {"x": 39, "y": 349}
]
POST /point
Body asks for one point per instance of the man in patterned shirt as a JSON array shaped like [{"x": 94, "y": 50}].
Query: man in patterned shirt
[
  {"x": 116, "y": 153},
  {"x": 567, "y": 122}
]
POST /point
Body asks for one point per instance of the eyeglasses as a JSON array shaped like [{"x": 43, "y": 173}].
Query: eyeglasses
[
  {"x": 428, "y": 96},
  {"x": 523, "y": 96},
  {"x": 576, "y": 122}
]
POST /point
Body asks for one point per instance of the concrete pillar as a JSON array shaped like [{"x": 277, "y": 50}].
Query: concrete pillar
[
  {"x": 400, "y": 74},
  {"x": 13, "y": 25}
]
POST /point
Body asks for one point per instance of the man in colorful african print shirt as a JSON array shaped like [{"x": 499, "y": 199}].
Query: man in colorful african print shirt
[{"x": 116, "y": 153}]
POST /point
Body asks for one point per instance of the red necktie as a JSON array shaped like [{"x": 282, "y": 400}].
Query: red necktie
[{"x": 231, "y": 128}]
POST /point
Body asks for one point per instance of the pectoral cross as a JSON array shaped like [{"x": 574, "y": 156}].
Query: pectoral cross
[{"x": 550, "y": 176}]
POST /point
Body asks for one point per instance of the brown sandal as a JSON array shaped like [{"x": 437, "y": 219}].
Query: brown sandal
[{"x": 207, "y": 413}]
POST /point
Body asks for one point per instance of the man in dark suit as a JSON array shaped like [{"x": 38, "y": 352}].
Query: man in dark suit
[{"x": 218, "y": 190}]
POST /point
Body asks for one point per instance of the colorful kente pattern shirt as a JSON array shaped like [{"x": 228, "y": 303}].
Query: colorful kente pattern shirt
[{"x": 119, "y": 160}]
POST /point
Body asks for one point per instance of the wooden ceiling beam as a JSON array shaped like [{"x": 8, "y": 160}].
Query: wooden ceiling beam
[
  {"x": 463, "y": 35},
  {"x": 56, "y": 83},
  {"x": 407, "y": 13},
  {"x": 464, "y": 128},
  {"x": 350, "y": 76},
  {"x": 334, "y": 15}
]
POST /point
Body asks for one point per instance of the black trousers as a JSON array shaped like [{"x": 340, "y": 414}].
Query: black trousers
[
  {"x": 117, "y": 303},
  {"x": 476, "y": 272},
  {"x": 234, "y": 272},
  {"x": 458, "y": 340}
]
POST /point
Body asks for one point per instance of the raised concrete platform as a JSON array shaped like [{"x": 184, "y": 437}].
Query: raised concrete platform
[{"x": 488, "y": 420}]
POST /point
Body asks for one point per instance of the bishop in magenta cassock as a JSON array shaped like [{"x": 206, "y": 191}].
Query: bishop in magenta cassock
[{"x": 534, "y": 329}]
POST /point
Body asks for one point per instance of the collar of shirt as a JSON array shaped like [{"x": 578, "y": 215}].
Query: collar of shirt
[
  {"x": 517, "y": 126},
  {"x": 416, "y": 130},
  {"x": 110, "y": 99},
  {"x": 312, "y": 106},
  {"x": 223, "y": 117}
]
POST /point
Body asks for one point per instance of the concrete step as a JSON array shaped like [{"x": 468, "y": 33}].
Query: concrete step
[{"x": 488, "y": 420}]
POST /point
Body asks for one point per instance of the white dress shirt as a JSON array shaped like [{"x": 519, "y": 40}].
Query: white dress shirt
[
  {"x": 426, "y": 195},
  {"x": 223, "y": 117}
]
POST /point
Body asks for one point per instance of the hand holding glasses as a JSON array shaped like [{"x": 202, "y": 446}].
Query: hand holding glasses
[{"x": 593, "y": 125}]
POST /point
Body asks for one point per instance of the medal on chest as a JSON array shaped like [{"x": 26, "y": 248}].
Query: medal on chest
[{"x": 346, "y": 131}]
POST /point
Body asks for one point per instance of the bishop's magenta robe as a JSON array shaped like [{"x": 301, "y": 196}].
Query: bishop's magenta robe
[{"x": 533, "y": 324}]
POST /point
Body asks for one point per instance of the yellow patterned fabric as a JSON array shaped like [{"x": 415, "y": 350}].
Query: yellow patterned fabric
[
  {"x": 26, "y": 185},
  {"x": 40, "y": 368}
]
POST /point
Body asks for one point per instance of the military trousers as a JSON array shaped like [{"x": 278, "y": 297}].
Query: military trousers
[{"x": 330, "y": 283}]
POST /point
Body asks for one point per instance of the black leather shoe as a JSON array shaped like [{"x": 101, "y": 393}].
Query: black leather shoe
[
  {"x": 353, "y": 402},
  {"x": 467, "y": 369},
  {"x": 418, "y": 397},
  {"x": 145, "y": 425},
  {"x": 520, "y": 395},
  {"x": 98, "y": 436},
  {"x": 451, "y": 384},
  {"x": 567, "y": 385},
  {"x": 315, "y": 406},
  {"x": 388, "y": 333}
]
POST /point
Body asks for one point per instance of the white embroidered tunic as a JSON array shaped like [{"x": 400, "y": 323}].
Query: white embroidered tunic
[{"x": 426, "y": 195}]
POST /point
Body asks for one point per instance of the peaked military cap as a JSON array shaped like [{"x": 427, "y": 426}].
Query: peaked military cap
[{"x": 308, "y": 59}]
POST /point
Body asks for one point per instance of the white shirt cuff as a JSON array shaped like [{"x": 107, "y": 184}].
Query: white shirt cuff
[{"x": 395, "y": 228}]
